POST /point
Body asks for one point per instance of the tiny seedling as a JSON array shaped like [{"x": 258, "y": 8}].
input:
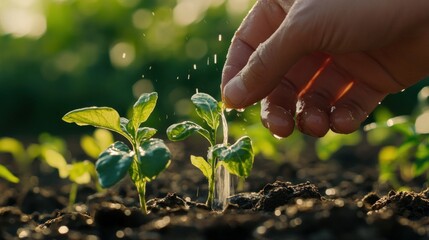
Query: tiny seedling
[
  {"x": 236, "y": 158},
  {"x": 147, "y": 157},
  {"x": 78, "y": 173}
]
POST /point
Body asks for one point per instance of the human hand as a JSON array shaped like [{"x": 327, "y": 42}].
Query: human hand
[{"x": 336, "y": 58}]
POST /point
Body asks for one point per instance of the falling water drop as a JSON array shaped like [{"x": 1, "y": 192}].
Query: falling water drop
[
  {"x": 150, "y": 67},
  {"x": 124, "y": 55},
  {"x": 220, "y": 37},
  {"x": 208, "y": 61},
  {"x": 195, "y": 66},
  {"x": 189, "y": 76},
  {"x": 215, "y": 59},
  {"x": 277, "y": 136},
  {"x": 142, "y": 75},
  {"x": 196, "y": 90}
]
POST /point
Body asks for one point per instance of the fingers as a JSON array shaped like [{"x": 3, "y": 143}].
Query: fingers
[
  {"x": 263, "y": 50},
  {"x": 331, "y": 100},
  {"x": 353, "y": 108},
  {"x": 261, "y": 22}
]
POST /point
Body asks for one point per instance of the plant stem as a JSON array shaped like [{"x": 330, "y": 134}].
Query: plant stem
[
  {"x": 72, "y": 195},
  {"x": 141, "y": 189},
  {"x": 139, "y": 181}
]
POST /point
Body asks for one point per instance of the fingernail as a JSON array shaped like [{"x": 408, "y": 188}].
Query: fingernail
[{"x": 235, "y": 92}]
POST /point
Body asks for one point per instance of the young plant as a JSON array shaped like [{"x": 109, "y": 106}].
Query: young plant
[
  {"x": 147, "y": 157},
  {"x": 236, "y": 158},
  {"x": 77, "y": 172},
  {"x": 405, "y": 139}
]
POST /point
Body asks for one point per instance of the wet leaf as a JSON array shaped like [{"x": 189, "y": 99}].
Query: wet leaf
[
  {"x": 6, "y": 174},
  {"x": 181, "y": 131},
  {"x": 113, "y": 164},
  {"x": 203, "y": 165},
  {"x": 102, "y": 117},
  {"x": 154, "y": 158},
  {"x": 207, "y": 108},
  {"x": 237, "y": 158},
  {"x": 143, "y": 108}
]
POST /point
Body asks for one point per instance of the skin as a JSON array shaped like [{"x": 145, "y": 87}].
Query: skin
[{"x": 325, "y": 64}]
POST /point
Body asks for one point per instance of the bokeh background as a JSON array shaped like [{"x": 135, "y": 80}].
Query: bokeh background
[{"x": 58, "y": 55}]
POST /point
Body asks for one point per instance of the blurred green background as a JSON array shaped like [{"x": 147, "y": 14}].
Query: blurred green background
[{"x": 58, "y": 55}]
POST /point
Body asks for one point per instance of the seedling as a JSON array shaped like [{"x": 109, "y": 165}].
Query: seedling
[
  {"x": 147, "y": 157},
  {"x": 236, "y": 158},
  {"x": 410, "y": 156},
  {"x": 78, "y": 173}
]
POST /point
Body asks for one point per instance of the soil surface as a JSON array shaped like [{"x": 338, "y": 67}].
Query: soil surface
[{"x": 307, "y": 199}]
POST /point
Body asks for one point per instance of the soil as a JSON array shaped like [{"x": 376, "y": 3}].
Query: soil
[{"x": 306, "y": 199}]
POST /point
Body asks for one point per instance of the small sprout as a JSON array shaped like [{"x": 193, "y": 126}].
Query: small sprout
[
  {"x": 147, "y": 157},
  {"x": 77, "y": 172},
  {"x": 236, "y": 158}
]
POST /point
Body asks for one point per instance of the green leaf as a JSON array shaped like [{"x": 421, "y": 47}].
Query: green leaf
[
  {"x": 56, "y": 160},
  {"x": 145, "y": 133},
  {"x": 113, "y": 164},
  {"x": 81, "y": 172},
  {"x": 237, "y": 158},
  {"x": 143, "y": 108},
  {"x": 6, "y": 174},
  {"x": 207, "y": 108},
  {"x": 203, "y": 165},
  {"x": 14, "y": 147},
  {"x": 154, "y": 158},
  {"x": 94, "y": 145},
  {"x": 183, "y": 130},
  {"x": 102, "y": 117}
]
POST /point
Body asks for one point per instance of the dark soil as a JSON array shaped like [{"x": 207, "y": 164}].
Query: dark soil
[{"x": 309, "y": 199}]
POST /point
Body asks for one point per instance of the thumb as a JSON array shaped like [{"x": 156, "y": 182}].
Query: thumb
[{"x": 266, "y": 66}]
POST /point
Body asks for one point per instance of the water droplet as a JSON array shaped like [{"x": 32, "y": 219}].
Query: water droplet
[
  {"x": 177, "y": 78},
  {"x": 228, "y": 110},
  {"x": 196, "y": 90},
  {"x": 195, "y": 66},
  {"x": 220, "y": 37},
  {"x": 277, "y": 136},
  {"x": 299, "y": 106},
  {"x": 142, "y": 75},
  {"x": 124, "y": 55},
  {"x": 403, "y": 90},
  {"x": 153, "y": 13},
  {"x": 189, "y": 76},
  {"x": 150, "y": 67},
  {"x": 379, "y": 103},
  {"x": 208, "y": 61},
  {"x": 240, "y": 110},
  {"x": 215, "y": 59}
]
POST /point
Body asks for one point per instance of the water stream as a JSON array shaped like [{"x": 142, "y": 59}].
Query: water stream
[{"x": 224, "y": 185}]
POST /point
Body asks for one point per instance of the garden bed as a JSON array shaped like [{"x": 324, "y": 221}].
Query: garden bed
[{"x": 309, "y": 199}]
